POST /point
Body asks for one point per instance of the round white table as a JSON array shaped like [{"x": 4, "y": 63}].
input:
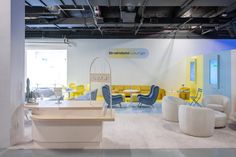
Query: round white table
[{"x": 131, "y": 91}]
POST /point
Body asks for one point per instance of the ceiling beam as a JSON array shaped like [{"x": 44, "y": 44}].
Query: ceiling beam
[
  {"x": 142, "y": 17},
  {"x": 62, "y": 2},
  {"x": 94, "y": 17},
  {"x": 228, "y": 9},
  {"x": 43, "y": 3},
  {"x": 121, "y": 35},
  {"x": 184, "y": 7},
  {"x": 74, "y": 3},
  {"x": 222, "y": 26},
  {"x": 28, "y": 3},
  {"x": 161, "y": 21}
]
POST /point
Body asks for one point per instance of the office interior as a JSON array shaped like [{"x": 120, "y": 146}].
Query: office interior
[{"x": 118, "y": 75}]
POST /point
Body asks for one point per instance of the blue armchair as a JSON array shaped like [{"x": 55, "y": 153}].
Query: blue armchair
[
  {"x": 151, "y": 99},
  {"x": 116, "y": 99},
  {"x": 151, "y": 90}
]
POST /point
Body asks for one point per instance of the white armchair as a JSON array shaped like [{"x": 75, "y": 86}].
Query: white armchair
[
  {"x": 170, "y": 105},
  {"x": 196, "y": 121},
  {"x": 233, "y": 118},
  {"x": 218, "y": 103}
]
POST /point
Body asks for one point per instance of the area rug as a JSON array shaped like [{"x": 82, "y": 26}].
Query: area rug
[{"x": 134, "y": 108}]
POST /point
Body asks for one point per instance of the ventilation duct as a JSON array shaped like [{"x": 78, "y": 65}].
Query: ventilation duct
[{"x": 128, "y": 16}]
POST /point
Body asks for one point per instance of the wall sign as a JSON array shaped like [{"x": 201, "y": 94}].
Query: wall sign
[
  {"x": 128, "y": 53},
  {"x": 100, "y": 77}
]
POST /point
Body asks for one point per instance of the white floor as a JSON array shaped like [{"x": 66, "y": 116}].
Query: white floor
[{"x": 141, "y": 131}]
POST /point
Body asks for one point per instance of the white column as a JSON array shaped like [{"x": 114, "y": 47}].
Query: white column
[
  {"x": 11, "y": 71},
  {"x": 233, "y": 83}
]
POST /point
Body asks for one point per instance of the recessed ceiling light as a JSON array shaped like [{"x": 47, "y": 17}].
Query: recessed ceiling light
[{"x": 224, "y": 15}]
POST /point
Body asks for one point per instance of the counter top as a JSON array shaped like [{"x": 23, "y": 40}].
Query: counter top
[
  {"x": 108, "y": 116},
  {"x": 67, "y": 104}
]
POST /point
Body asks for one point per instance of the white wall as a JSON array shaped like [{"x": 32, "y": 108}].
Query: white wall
[{"x": 164, "y": 66}]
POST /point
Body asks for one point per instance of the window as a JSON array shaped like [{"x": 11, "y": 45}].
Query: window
[{"x": 47, "y": 68}]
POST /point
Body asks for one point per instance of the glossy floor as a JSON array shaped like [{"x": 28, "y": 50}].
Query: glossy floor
[
  {"x": 123, "y": 153},
  {"x": 150, "y": 131}
]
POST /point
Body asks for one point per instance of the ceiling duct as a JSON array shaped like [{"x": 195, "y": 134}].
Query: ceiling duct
[
  {"x": 128, "y": 17},
  {"x": 156, "y": 12},
  {"x": 234, "y": 27},
  {"x": 130, "y": 8}
]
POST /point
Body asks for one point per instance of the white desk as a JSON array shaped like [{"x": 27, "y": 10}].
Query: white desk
[{"x": 72, "y": 124}]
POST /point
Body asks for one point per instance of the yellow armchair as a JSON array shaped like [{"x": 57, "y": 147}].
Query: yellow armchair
[
  {"x": 77, "y": 90},
  {"x": 161, "y": 94}
]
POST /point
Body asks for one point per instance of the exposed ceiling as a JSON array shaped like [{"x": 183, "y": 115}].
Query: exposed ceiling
[{"x": 130, "y": 18}]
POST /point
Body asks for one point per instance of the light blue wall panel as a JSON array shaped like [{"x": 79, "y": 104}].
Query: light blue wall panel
[{"x": 224, "y": 74}]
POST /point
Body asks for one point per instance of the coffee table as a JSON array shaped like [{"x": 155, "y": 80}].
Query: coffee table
[{"x": 131, "y": 91}]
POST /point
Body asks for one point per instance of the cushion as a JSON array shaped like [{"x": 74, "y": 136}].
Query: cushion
[
  {"x": 216, "y": 107},
  {"x": 144, "y": 88},
  {"x": 145, "y": 92},
  {"x": 120, "y": 88},
  {"x": 115, "y": 91}
]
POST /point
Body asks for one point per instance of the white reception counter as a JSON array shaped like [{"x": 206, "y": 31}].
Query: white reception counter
[{"x": 71, "y": 124}]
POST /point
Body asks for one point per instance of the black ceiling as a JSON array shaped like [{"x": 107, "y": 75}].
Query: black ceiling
[{"x": 130, "y": 18}]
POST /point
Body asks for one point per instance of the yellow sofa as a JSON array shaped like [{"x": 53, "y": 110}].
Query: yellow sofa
[{"x": 143, "y": 89}]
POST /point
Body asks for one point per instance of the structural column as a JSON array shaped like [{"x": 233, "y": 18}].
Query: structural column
[
  {"x": 233, "y": 83},
  {"x": 12, "y": 37}
]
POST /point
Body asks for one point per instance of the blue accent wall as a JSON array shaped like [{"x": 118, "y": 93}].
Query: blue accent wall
[{"x": 224, "y": 74}]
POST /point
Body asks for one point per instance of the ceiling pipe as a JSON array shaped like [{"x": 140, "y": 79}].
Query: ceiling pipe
[
  {"x": 50, "y": 12},
  {"x": 142, "y": 18},
  {"x": 181, "y": 25},
  {"x": 109, "y": 3},
  {"x": 120, "y": 9},
  {"x": 76, "y": 7},
  {"x": 94, "y": 17},
  {"x": 60, "y": 9},
  {"x": 217, "y": 28}
]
